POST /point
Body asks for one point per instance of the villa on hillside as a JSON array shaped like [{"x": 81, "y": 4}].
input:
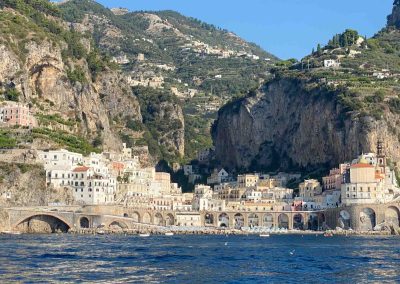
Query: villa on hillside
[{"x": 12, "y": 113}]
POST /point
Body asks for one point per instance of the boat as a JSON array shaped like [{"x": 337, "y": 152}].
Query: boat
[
  {"x": 144, "y": 235},
  {"x": 11, "y": 233},
  {"x": 169, "y": 234},
  {"x": 101, "y": 232},
  {"x": 264, "y": 235},
  {"x": 328, "y": 234}
]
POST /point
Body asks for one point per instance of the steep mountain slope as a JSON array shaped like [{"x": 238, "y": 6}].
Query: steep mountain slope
[
  {"x": 310, "y": 116},
  {"x": 63, "y": 78},
  {"x": 176, "y": 56},
  {"x": 82, "y": 100}
]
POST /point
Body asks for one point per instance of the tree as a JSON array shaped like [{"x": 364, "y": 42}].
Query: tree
[{"x": 319, "y": 49}]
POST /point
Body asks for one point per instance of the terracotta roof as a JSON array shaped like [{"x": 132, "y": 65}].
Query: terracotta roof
[
  {"x": 81, "y": 169},
  {"x": 358, "y": 166},
  {"x": 117, "y": 165}
]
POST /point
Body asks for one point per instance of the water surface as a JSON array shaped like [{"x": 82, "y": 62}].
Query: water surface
[{"x": 198, "y": 259}]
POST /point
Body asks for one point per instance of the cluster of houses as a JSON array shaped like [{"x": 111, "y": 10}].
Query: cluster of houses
[
  {"x": 205, "y": 49},
  {"x": 119, "y": 178},
  {"x": 13, "y": 113},
  {"x": 112, "y": 178},
  {"x": 365, "y": 180}
]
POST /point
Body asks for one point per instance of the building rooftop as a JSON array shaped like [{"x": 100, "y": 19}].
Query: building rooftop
[
  {"x": 81, "y": 169},
  {"x": 359, "y": 166}
]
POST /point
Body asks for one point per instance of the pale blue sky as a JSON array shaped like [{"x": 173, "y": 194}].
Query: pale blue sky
[{"x": 286, "y": 28}]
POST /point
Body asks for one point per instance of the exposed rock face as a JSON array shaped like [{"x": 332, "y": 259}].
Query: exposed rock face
[
  {"x": 25, "y": 185},
  {"x": 394, "y": 18},
  {"x": 4, "y": 220},
  {"x": 175, "y": 138},
  {"x": 287, "y": 125},
  {"x": 42, "y": 78}
]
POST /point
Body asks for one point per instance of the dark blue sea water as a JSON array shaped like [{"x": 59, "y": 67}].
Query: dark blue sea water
[{"x": 198, "y": 259}]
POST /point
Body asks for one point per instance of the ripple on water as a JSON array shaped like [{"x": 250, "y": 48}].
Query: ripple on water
[{"x": 198, "y": 259}]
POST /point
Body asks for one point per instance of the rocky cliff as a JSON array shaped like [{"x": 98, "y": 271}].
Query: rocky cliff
[
  {"x": 25, "y": 185},
  {"x": 394, "y": 18},
  {"x": 295, "y": 124},
  {"x": 43, "y": 82},
  {"x": 71, "y": 86}
]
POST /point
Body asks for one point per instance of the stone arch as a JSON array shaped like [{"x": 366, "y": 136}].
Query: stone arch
[
  {"x": 283, "y": 221},
  {"x": 146, "y": 218},
  {"x": 158, "y": 219},
  {"x": 313, "y": 222},
  {"x": 42, "y": 223},
  {"x": 84, "y": 223},
  {"x": 223, "y": 220},
  {"x": 239, "y": 221},
  {"x": 268, "y": 220},
  {"x": 253, "y": 220},
  {"x": 209, "y": 219},
  {"x": 118, "y": 225},
  {"x": 298, "y": 222},
  {"x": 136, "y": 217},
  {"x": 169, "y": 220},
  {"x": 344, "y": 220},
  {"x": 392, "y": 216},
  {"x": 367, "y": 219}
]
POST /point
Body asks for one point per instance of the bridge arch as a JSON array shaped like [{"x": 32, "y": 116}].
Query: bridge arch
[
  {"x": 367, "y": 219},
  {"x": 283, "y": 221},
  {"x": 158, "y": 219},
  {"x": 117, "y": 225},
  {"x": 268, "y": 220},
  {"x": 84, "y": 223},
  {"x": 392, "y": 216},
  {"x": 239, "y": 221},
  {"x": 298, "y": 222},
  {"x": 253, "y": 220},
  {"x": 209, "y": 219},
  {"x": 223, "y": 220},
  {"x": 146, "y": 218},
  {"x": 344, "y": 220},
  {"x": 169, "y": 220},
  {"x": 136, "y": 217},
  {"x": 55, "y": 223}
]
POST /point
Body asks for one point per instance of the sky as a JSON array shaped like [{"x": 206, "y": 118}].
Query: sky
[{"x": 285, "y": 28}]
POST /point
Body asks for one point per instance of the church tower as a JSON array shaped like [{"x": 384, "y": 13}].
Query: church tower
[{"x": 381, "y": 156}]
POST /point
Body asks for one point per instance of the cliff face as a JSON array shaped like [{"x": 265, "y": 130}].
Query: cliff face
[
  {"x": 394, "y": 18},
  {"x": 43, "y": 82},
  {"x": 290, "y": 124},
  {"x": 24, "y": 185}
]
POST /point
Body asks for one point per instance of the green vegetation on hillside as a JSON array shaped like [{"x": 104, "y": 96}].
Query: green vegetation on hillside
[{"x": 71, "y": 142}]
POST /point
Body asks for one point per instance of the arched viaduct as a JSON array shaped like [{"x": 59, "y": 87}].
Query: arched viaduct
[{"x": 358, "y": 217}]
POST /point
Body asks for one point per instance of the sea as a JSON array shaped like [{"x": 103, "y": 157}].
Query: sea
[{"x": 198, "y": 259}]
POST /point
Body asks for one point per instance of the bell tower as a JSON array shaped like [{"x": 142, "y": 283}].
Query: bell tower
[{"x": 381, "y": 156}]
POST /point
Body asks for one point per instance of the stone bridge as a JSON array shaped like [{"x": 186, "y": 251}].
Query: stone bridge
[
  {"x": 301, "y": 220},
  {"x": 359, "y": 217},
  {"x": 65, "y": 218},
  {"x": 364, "y": 217}
]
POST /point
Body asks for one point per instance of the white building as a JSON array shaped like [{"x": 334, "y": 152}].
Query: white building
[
  {"x": 218, "y": 176},
  {"x": 188, "y": 219},
  {"x": 331, "y": 63},
  {"x": 58, "y": 165},
  {"x": 91, "y": 188}
]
